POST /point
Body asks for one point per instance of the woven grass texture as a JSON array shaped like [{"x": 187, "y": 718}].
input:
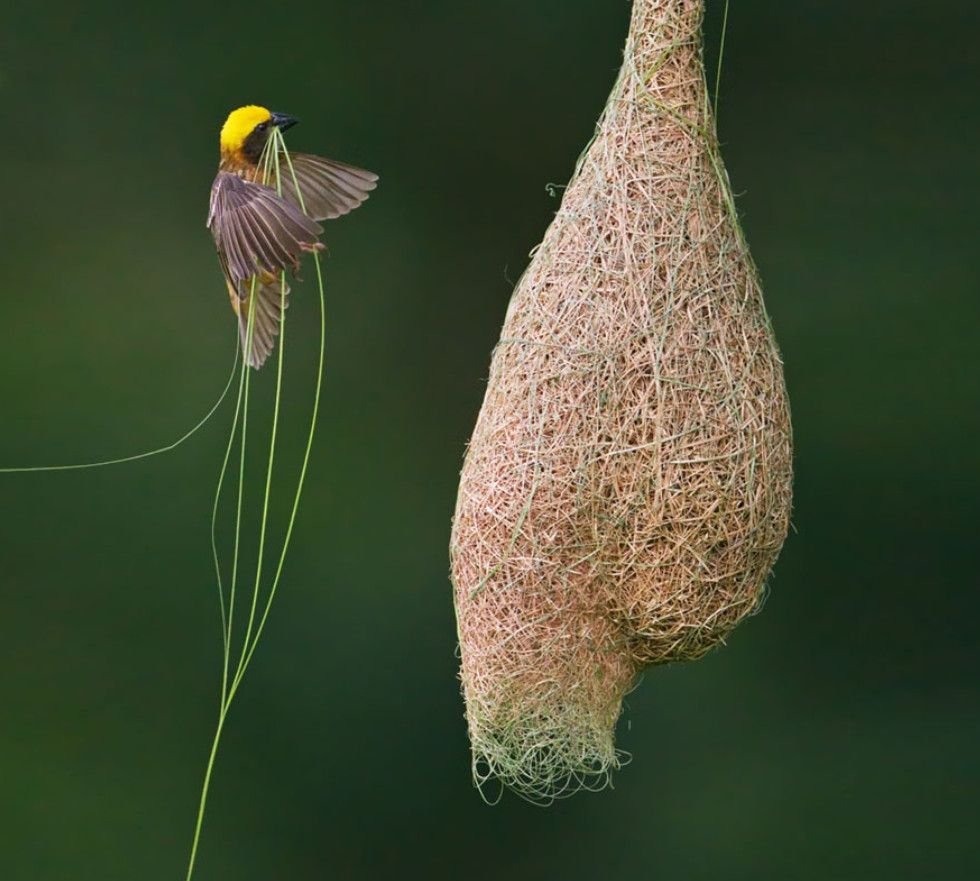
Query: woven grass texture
[{"x": 627, "y": 487}]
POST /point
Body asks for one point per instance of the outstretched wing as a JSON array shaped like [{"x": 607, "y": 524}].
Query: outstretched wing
[
  {"x": 255, "y": 229},
  {"x": 329, "y": 189}
]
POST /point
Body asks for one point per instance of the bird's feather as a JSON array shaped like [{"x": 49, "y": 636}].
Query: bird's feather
[
  {"x": 270, "y": 301},
  {"x": 329, "y": 189},
  {"x": 255, "y": 229}
]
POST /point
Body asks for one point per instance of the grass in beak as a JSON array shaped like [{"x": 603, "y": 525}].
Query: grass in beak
[
  {"x": 244, "y": 648},
  {"x": 239, "y": 649}
]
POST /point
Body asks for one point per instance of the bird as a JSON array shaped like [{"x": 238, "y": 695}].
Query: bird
[{"x": 259, "y": 233}]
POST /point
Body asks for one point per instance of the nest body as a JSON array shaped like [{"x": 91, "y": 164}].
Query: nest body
[{"x": 627, "y": 487}]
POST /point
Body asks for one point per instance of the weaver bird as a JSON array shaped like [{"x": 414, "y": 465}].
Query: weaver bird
[{"x": 259, "y": 233}]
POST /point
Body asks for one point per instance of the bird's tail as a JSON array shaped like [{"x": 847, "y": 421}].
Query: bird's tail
[{"x": 269, "y": 306}]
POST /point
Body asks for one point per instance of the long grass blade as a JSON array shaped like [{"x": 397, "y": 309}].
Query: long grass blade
[{"x": 101, "y": 463}]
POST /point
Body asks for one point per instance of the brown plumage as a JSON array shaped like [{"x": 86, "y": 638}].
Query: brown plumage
[{"x": 259, "y": 233}]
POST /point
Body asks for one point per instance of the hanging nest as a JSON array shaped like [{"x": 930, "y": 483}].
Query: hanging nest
[{"x": 627, "y": 487}]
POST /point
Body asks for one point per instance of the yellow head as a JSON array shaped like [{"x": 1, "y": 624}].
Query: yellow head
[{"x": 247, "y": 129}]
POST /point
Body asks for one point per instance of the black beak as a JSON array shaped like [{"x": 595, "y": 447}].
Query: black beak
[{"x": 282, "y": 121}]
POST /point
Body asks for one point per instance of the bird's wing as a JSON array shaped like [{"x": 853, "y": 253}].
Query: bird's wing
[
  {"x": 329, "y": 189},
  {"x": 255, "y": 229}
]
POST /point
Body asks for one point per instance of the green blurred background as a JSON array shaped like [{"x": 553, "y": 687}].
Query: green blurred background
[{"x": 835, "y": 737}]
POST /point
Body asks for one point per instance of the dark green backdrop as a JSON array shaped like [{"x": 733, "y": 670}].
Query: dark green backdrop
[{"x": 836, "y": 736}]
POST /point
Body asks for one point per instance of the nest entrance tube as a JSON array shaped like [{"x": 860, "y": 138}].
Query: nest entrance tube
[{"x": 627, "y": 487}]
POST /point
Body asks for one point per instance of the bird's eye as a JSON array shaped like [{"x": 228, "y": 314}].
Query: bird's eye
[{"x": 262, "y": 126}]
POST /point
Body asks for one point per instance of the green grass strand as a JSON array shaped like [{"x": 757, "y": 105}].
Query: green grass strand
[
  {"x": 721, "y": 56},
  {"x": 225, "y": 619},
  {"x": 272, "y": 442},
  {"x": 250, "y": 639},
  {"x": 101, "y": 463},
  {"x": 309, "y": 442},
  {"x": 228, "y": 693}
]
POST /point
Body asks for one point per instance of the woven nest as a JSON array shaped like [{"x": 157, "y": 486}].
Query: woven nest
[{"x": 627, "y": 487}]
